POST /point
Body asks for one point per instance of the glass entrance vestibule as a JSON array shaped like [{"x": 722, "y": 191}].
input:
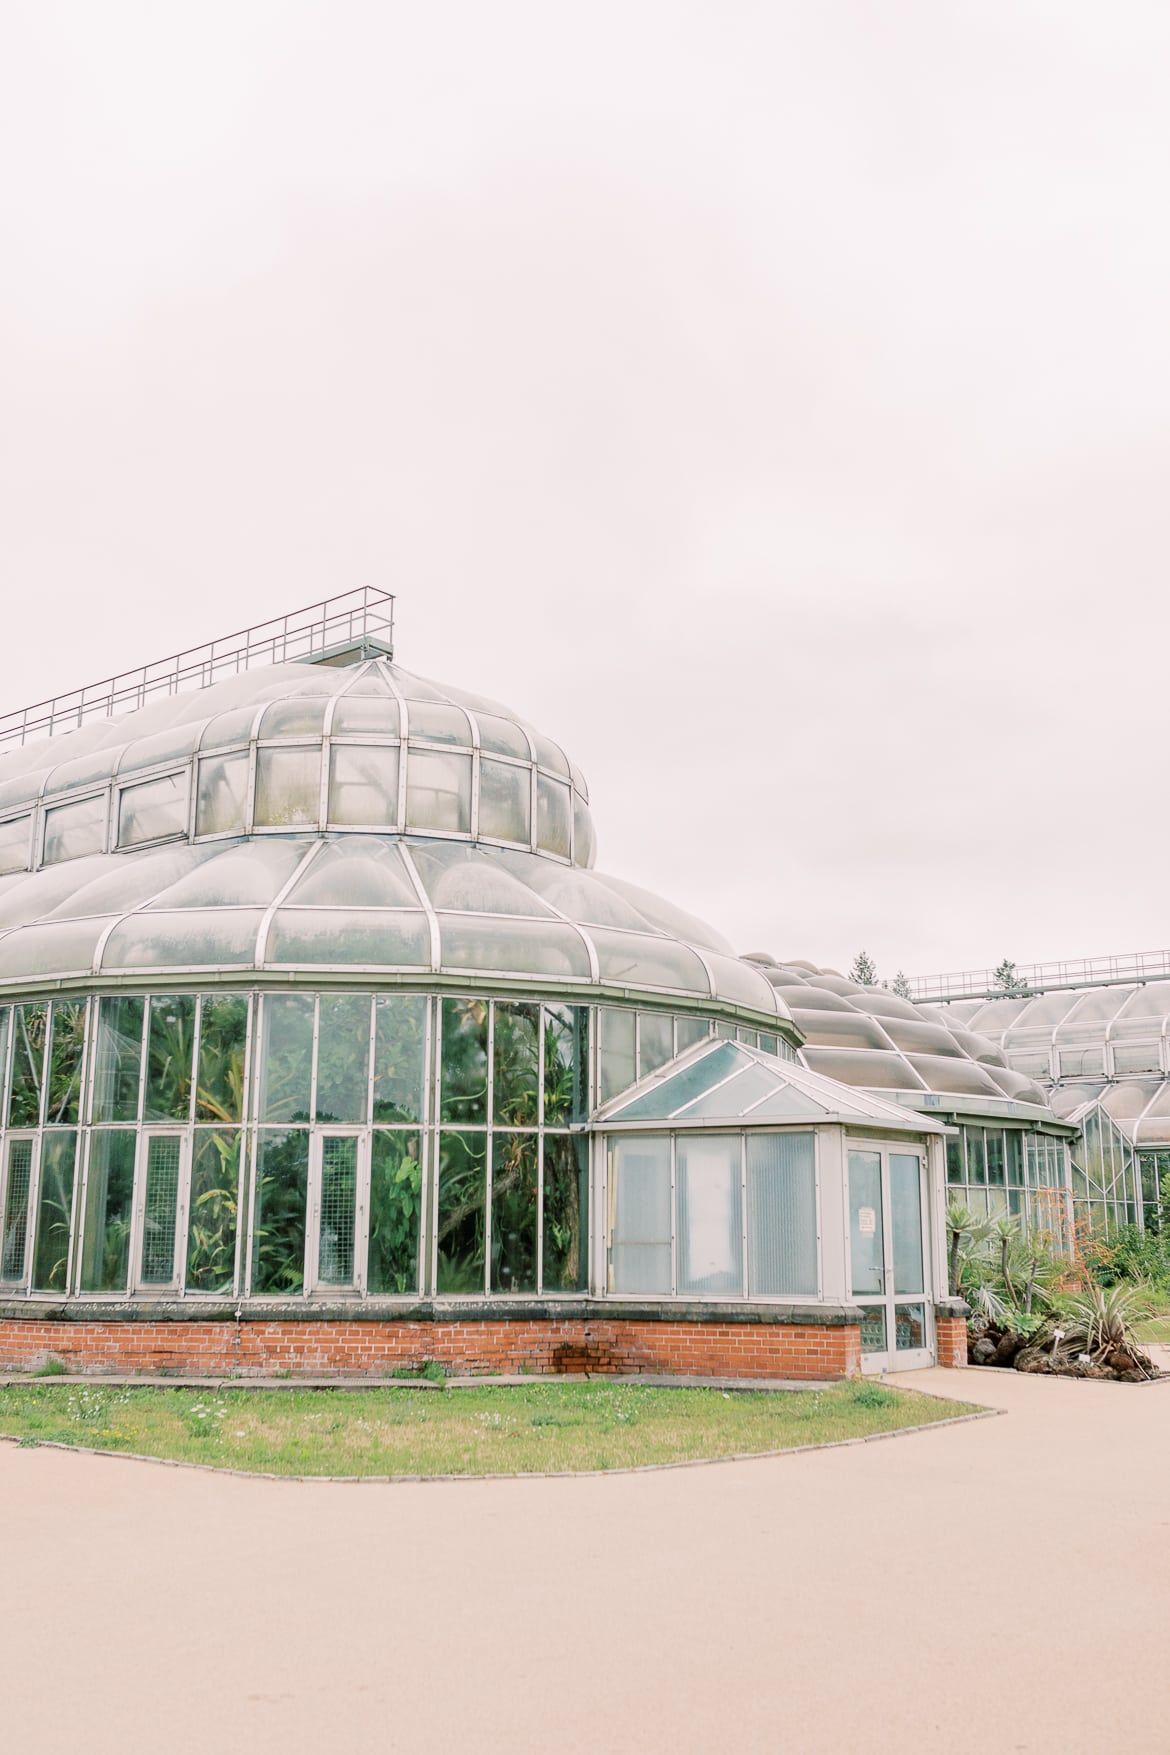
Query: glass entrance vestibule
[{"x": 889, "y": 1267}]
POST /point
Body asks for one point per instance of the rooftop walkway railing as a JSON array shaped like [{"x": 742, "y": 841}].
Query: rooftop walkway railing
[
  {"x": 363, "y": 618},
  {"x": 1043, "y": 977}
]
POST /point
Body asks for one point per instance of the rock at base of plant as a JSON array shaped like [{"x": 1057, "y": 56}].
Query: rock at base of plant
[
  {"x": 984, "y": 1351},
  {"x": 1032, "y": 1359},
  {"x": 1007, "y": 1347}
]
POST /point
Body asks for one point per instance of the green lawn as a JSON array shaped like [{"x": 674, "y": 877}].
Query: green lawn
[
  {"x": 504, "y": 1429},
  {"x": 1156, "y": 1329}
]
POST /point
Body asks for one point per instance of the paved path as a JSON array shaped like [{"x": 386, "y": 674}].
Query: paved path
[{"x": 992, "y": 1587}]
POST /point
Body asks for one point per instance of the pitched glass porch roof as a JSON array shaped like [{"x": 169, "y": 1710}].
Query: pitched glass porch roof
[{"x": 727, "y": 1083}]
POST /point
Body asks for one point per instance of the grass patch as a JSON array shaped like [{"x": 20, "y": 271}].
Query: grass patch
[
  {"x": 505, "y": 1429},
  {"x": 1157, "y": 1328}
]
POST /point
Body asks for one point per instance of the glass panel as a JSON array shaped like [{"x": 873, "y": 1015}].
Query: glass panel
[
  {"x": 550, "y": 755},
  {"x": 906, "y": 1221},
  {"x": 865, "y": 1222},
  {"x": 65, "y": 1057},
  {"x": 505, "y": 802},
  {"x": 909, "y": 1327},
  {"x": 954, "y": 1159},
  {"x": 618, "y": 1068},
  {"x": 462, "y": 1212},
  {"x": 516, "y": 1067},
  {"x": 223, "y": 795},
  {"x": 278, "y": 1232},
  {"x": 566, "y": 1207},
  {"x": 349, "y": 938},
  {"x": 465, "y": 1061},
  {"x": 640, "y": 1214},
  {"x": 293, "y": 718},
  {"x": 584, "y": 842},
  {"x": 566, "y": 1063},
  {"x": 14, "y": 844},
  {"x": 873, "y": 1328},
  {"x": 438, "y": 723},
  {"x": 54, "y": 1212},
  {"x": 375, "y": 713},
  {"x": 17, "y": 1183},
  {"x": 338, "y": 1210},
  {"x": 688, "y": 1031},
  {"x": 976, "y": 1158},
  {"x": 682, "y": 1088},
  {"x": 152, "y": 810},
  {"x": 398, "y": 1057},
  {"x": 395, "y": 1206},
  {"x": 183, "y": 940},
  {"x": 363, "y": 785},
  {"x": 160, "y": 1209},
  {"x": 782, "y": 1214},
  {"x": 118, "y": 1063},
  {"x": 710, "y": 1216},
  {"x": 534, "y": 947},
  {"x": 74, "y": 830},
  {"x": 105, "y": 1244},
  {"x": 438, "y": 791},
  {"x": 515, "y": 1174},
  {"x": 214, "y": 1205},
  {"x": 288, "y": 787},
  {"x": 343, "y": 1057},
  {"x": 223, "y": 1037},
  {"x": 636, "y": 960},
  {"x": 1015, "y": 1160},
  {"x": 769, "y": 1044},
  {"x": 169, "y": 1055},
  {"x": 28, "y": 1059},
  {"x": 503, "y": 737},
  {"x": 655, "y": 1041},
  {"x": 553, "y": 816},
  {"x": 993, "y": 1140},
  {"x": 286, "y": 1063}
]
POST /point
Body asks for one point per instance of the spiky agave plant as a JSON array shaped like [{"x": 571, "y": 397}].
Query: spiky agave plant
[
  {"x": 1102, "y": 1319},
  {"x": 966, "y": 1229}
]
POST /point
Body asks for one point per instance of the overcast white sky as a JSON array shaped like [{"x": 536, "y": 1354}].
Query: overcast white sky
[{"x": 770, "y": 401}]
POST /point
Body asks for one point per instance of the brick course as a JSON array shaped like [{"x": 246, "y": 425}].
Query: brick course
[
  {"x": 951, "y": 1332},
  {"x": 259, "y": 1346}
]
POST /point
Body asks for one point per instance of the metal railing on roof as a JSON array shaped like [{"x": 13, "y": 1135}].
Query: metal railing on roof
[
  {"x": 1044, "y": 977},
  {"x": 361, "y": 619}
]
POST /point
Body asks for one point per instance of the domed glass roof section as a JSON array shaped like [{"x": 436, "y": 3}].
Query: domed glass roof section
[
  {"x": 331, "y": 817},
  {"x": 1110, "y": 1043},
  {"x": 870, "y": 1038}
]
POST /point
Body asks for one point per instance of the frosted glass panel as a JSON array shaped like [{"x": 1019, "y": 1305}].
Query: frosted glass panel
[
  {"x": 710, "y": 1231},
  {"x": 349, "y": 937},
  {"x": 503, "y": 737},
  {"x": 438, "y": 723},
  {"x": 505, "y": 802},
  {"x": 782, "y": 1215},
  {"x": 584, "y": 842},
  {"x": 373, "y": 713},
  {"x": 343, "y": 1057},
  {"x": 618, "y": 1068},
  {"x": 537, "y": 948},
  {"x": 655, "y": 1041},
  {"x": 363, "y": 785},
  {"x": 288, "y": 786},
  {"x": 184, "y": 940},
  {"x": 553, "y": 816},
  {"x": 906, "y": 1217},
  {"x": 640, "y": 961},
  {"x": 293, "y": 718},
  {"x": 152, "y": 810},
  {"x": 438, "y": 791},
  {"x": 73, "y": 830},
  {"x": 640, "y": 1208},
  {"x": 14, "y": 844},
  {"x": 223, "y": 795}
]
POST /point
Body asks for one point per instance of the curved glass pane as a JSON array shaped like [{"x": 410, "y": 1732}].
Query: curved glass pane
[
  {"x": 355, "y": 872},
  {"x": 63, "y": 947},
  {"x": 464, "y": 878},
  {"x": 216, "y": 939},
  {"x": 222, "y": 800},
  {"x": 288, "y": 787},
  {"x": 439, "y": 723},
  {"x": 438, "y": 791},
  {"x": 637, "y": 961},
  {"x": 73, "y": 830},
  {"x": 349, "y": 938},
  {"x": 503, "y": 737},
  {"x": 152, "y": 810},
  {"x": 584, "y": 841},
  {"x": 377, "y": 714},
  {"x": 224, "y": 877},
  {"x": 15, "y": 844},
  {"x": 296, "y": 718},
  {"x": 553, "y": 816},
  {"x": 522, "y": 947},
  {"x": 363, "y": 785},
  {"x": 505, "y": 801}
]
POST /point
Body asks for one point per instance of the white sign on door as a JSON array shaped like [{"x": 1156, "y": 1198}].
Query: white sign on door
[{"x": 866, "y": 1221}]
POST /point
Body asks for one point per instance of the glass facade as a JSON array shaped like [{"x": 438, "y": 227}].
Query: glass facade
[{"x": 998, "y": 1169}]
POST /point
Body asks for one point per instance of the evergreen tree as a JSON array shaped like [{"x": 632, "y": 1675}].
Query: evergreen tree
[
  {"x": 1008, "y": 982},
  {"x": 901, "y": 986},
  {"x": 864, "y": 970}
]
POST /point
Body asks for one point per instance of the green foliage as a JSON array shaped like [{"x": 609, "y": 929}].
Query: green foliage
[
  {"x": 966, "y": 1229},
  {"x": 868, "y": 1394},
  {"x": 278, "y": 1238},
  {"x": 214, "y": 1212},
  {"x": 395, "y": 1210},
  {"x": 1008, "y": 982},
  {"x": 863, "y": 970},
  {"x": 901, "y": 985},
  {"x": 1100, "y": 1319},
  {"x": 51, "y": 1366}
]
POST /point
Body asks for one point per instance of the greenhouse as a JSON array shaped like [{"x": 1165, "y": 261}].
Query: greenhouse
[{"x": 325, "y": 1046}]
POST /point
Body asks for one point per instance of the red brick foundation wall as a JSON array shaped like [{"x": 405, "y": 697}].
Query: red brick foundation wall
[
  {"x": 259, "y": 1347},
  {"x": 951, "y": 1332}
]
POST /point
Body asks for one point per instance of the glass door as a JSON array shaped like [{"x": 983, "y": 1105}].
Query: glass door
[
  {"x": 888, "y": 1265},
  {"x": 160, "y": 1209},
  {"x": 338, "y": 1203}
]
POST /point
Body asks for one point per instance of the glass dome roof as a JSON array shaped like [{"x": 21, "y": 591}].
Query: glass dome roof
[
  {"x": 870, "y": 1038},
  {"x": 1111, "y": 1043}
]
